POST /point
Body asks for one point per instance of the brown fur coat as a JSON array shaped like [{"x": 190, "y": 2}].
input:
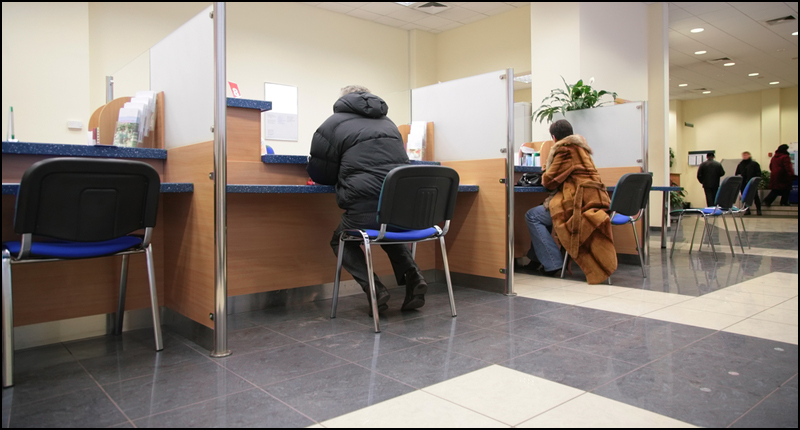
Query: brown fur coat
[{"x": 579, "y": 206}]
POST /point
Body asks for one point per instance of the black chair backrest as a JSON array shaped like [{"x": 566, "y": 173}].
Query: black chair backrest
[
  {"x": 631, "y": 193},
  {"x": 729, "y": 191},
  {"x": 86, "y": 200},
  {"x": 417, "y": 197},
  {"x": 750, "y": 191}
]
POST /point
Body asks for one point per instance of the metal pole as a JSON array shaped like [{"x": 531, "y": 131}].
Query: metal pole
[
  {"x": 646, "y": 169},
  {"x": 510, "y": 184},
  {"x": 109, "y": 88},
  {"x": 220, "y": 183}
]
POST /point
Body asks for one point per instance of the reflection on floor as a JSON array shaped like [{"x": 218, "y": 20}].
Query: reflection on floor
[{"x": 700, "y": 343}]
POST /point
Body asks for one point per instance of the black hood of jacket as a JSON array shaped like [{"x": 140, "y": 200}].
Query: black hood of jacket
[{"x": 364, "y": 104}]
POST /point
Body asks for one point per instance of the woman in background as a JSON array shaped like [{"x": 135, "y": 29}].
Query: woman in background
[{"x": 781, "y": 176}]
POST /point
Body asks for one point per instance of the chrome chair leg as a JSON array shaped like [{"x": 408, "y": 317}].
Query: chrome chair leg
[
  {"x": 414, "y": 251},
  {"x": 746, "y": 236},
  {"x": 338, "y": 277},
  {"x": 741, "y": 244},
  {"x": 151, "y": 277},
  {"x": 8, "y": 323},
  {"x": 676, "y": 227},
  {"x": 609, "y": 280},
  {"x": 123, "y": 286},
  {"x": 638, "y": 251},
  {"x": 694, "y": 232},
  {"x": 564, "y": 266},
  {"x": 372, "y": 295},
  {"x": 708, "y": 229},
  {"x": 728, "y": 233},
  {"x": 447, "y": 275}
]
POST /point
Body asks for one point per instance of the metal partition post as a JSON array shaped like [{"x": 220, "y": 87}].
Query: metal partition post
[
  {"x": 220, "y": 184},
  {"x": 510, "y": 184},
  {"x": 109, "y": 88},
  {"x": 646, "y": 169}
]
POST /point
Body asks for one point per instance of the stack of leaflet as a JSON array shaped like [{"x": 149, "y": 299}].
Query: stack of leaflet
[
  {"x": 136, "y": 119},
  {"x": 529, "y": 157},
  {"x": 415, "y": 148}
]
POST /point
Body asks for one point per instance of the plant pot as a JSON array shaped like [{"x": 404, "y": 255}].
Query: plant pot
[{"x": 762, "y": 194}]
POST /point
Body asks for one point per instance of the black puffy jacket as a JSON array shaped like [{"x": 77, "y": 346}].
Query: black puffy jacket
[{"x": 354, "y": 149}]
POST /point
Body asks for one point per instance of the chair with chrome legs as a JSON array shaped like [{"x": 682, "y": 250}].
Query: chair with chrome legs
[
  {"x": 82, "y": 208},
  {"x": 413, "y": 201},
  {"x": 726, "y": 197},
  {"x": 748, "y": 197}
]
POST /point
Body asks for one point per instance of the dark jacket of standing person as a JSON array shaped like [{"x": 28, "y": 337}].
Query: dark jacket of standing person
[
  {"x": 748, "y": 169},
  {"x": 354, "y": 149},
  {"x": 709, "y": 173},
  {"x": 781, "y": 169}
]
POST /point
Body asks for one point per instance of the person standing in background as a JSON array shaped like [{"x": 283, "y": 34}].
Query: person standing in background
[
  {"x": 749, "y": 169},
  {"x": 708, "y": 174},
  {"x": 781, "y": 176}
]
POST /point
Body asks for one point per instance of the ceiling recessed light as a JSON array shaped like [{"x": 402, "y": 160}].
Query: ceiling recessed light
[
  {"x": 683, "y": 85},
  {"x": 697, "y": 30},
  {"x": 774, "y": 83},
  {"x": 706, "y": 92},
  {"x": 728, "y": 64},
  {"x": 752, "y": 74},
  {"x": 699, "y": 52},
  {"x": 794, "y": 34}
]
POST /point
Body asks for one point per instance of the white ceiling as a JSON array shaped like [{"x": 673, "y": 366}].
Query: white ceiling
[
  {"x": 395, "y": 15},
  {"x": 735, "y": 30}
]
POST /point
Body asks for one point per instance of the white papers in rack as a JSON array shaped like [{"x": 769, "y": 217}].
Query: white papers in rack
[{"x": 415, "y": 148}]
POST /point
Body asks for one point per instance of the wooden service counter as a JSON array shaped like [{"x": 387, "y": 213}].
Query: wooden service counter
[{"x": 69, "y": 289}]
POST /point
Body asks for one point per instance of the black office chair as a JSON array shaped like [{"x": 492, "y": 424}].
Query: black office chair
[
  {"x": 82, "y": 208},
  {"x": 413, "y": 201},
  {"x": 726, "y": 197},
  {"x": 748, "y": 197}
]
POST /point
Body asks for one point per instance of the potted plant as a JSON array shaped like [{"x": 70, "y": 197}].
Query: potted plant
[
  {"x": 574, "y": 97},
  {"x": 763, "y": 186}
]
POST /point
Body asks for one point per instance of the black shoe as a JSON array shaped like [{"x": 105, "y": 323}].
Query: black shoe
[
  {"x": 551, "y": 273},
  {"x": 416, "y": 287},
  {"x": 381, "y": 296}
]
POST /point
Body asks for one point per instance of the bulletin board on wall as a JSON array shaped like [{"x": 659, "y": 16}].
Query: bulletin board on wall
[
  {"x": 280, "y": 123},
  {"x": 697, "y": 158}
]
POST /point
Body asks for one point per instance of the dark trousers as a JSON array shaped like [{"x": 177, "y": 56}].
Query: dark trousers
[
  {"x": 757, "y": 202},
  {"x": 711, "y": 196},
  {"x": 353, "y": 259},
  {"x": 773, "y": 194}
]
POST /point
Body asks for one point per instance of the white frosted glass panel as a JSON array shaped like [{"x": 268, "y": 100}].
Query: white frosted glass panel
[
  {"x": 135, "y": 76},
  {"x": 615, "y": 133},
  {"x": 182, "y": 65},
  {"x": 469, "y": 115}
]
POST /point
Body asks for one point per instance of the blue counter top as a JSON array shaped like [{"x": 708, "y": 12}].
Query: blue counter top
[
  {"x": 166, "y": 187},
  {"x": 307, "y": 189},
  {"x": 303, "y": 159},
  {"x": 250, "y": 104},
  {"x": 70, "y": 150},
  {"x": 527, "y": 169}
]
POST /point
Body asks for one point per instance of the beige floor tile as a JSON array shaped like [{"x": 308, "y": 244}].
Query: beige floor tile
[
  {"x": 623, "y": 306},
  {"x": 413, "y": 410},
  {"x": 315, "y": 426},
  {"x": 653, "y": 296},
  {"x": 782, "y": 275},
  {"x": 694, "y": 317},
  {"x": 778, "y": 290},
  {"x": 562, "y": 296},
  {"x": 593, "y": 411},
  {"x": 766, "y": 329},
  {"x": 600, "y": 290},
  {"x": 524, "y": 290},
  {"x": 541, "y": 281},
  {"x": 743, "y": 310},
  {"x": 488, "y": 390},
  {"x": 790, "y": 304},
  {"x": 783, "y": 316},
  {"x": 745, "y": 297}
]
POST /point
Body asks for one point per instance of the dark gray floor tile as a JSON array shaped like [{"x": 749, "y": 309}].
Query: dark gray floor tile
[
  {"x": 567, "y": 366},
  {"x": 391, "y": 315},
  {"x": 174, "y": 388},
  {"x": 491, "y": 346},
  {"x": 543, "y": 329},
  {"x": 112, "y": 345},
  {"x": 87, "y": 408},
  {"x": 125, "y": 425},
  {"x": 486, "y": 316},
  {"x": 670, "y": 335},
  {"x": 359, "y": 345},
  {"x": 524, "y": 305},
  {"x": 279, "y": 314},
  {"x": 743, "y": 374},
  {"x": 256, "y": 338},
  {"x": 275, "y": 365},
  {"x": 429, "y": 329},
  {"x": 768, "y": 351},
  {"x": 238, "y": 322},
  {"x": 134, "y": 363},
  {"x": 6, "y": 410},
  {"x": 55, "y": 380},
  {"x": 586, "y": 316},
  {"x": 41, "y": 357},
  {"x": 334, "y": 392},
  {"x": 423, "y": 365},
  {"x": 475, "y": 296},
  {"x": 248, "y": 409},
  {"x": 630, "y": 346},
  {"x": 679, "y": 397},
  {"x": 779, "y": 410},
  {"x": 315, "y": 328}
]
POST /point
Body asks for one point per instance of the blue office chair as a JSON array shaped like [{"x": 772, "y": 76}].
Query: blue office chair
[
  {"x": 726, "y": 197},
  {"x": 748, "y": 197},
  {"x": 413, "y": 201},
  {"x": 82, "y": 208}
]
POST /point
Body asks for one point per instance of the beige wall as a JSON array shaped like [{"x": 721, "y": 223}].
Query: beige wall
[
  {"x": 788, "y": 115},
  {"x": 523, "y": 95},
  {"x": 46, "y": 70}
]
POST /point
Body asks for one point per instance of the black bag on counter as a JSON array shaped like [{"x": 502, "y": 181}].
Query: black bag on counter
[{"x": 530, "y": 180}]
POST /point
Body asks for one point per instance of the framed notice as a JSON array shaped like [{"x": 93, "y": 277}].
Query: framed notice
[{"x": 280, "y": 123}]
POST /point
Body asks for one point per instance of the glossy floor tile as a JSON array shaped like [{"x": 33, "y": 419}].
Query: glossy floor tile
[
  {"x": 90, "y": 407},
  {"x": 765, "y": 329}
]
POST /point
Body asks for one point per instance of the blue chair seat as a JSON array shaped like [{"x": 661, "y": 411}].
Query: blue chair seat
[
  {"x": 712, "y": 211},
  {"x": 77, "y": 249},
  {"x": 405, "y": 235},
  {"x": 620, "y": 219}
]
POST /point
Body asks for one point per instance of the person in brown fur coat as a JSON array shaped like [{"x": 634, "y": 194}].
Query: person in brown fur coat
[{"x": 576, "y": 210}]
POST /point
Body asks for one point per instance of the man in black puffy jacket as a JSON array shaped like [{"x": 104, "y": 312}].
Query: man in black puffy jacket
[{"x": 354, "y": 149}]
